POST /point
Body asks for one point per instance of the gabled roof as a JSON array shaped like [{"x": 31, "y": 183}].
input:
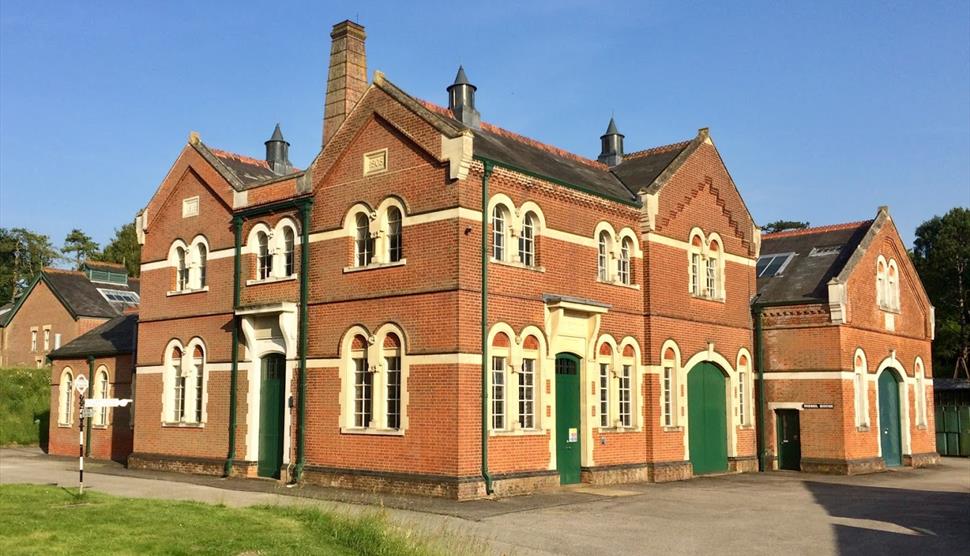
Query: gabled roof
[
  {"x": 76, "y": 293},
  {"x": 242, "y": 172},
  {"x": 813, "y": 264},
  {"x": 6, "y": 310},
  {"x": 115, "y": 337},
  {"x": 638, "y": 170}
]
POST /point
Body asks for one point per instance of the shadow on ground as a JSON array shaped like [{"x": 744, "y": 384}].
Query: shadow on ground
[{"x": 879, "y": 520}]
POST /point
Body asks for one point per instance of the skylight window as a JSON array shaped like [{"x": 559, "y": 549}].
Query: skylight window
[
  {"x": 120, "y": 296},
  {"x": 772, "y": 265}
]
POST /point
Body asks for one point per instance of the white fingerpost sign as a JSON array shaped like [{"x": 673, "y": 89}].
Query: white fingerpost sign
[{"x": 81, "y": 384}]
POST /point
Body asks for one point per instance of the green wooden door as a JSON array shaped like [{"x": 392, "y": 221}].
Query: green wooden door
[
  {"x": 952, "y": 426},
  {"x": 889, "y": 433},
  {"x": 707, "y": 419},
  {"x": 271, "y": 416},
  {"x": 568, "y": 444},
  {"x": 789, "y": 440}
]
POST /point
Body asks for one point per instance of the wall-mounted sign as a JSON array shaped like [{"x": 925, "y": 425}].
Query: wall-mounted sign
[
  {"x": 573, "y": 435},
  {"x": 817, "y": 406}
]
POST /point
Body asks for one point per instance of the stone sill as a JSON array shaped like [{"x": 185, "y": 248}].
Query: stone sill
[
  {"x": 184, "y": 425},
  {"x": 618, "y": 284},
  {"x": 271, "y": 280},
  {"x": 862, "y": 428},
  {"x": 187, "y": 292},
  {"x": 517, "y": 432},
  {"x": 705, "y": 298},
  {"x": 65, "y": 425},
  {"x": 672, "y": 429},
  {"x": 890, "y": 310},
  {"x": 372, "y": 432},
  {"x": 374, "y": 266},
  {"x": 746, "y": 427},
  {"x": 617, "y": 430},
  {"x": 518, "y": 265}
]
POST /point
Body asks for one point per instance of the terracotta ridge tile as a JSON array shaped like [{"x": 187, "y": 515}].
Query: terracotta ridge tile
[
  {"x": 817, "y": 229},
  {"x": 241, "y": 158},
  {"x": 657, "y": 150}
]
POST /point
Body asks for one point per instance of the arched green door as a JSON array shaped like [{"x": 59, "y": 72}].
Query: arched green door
[
  {"x": 568, "y": 444},
  {"x": 707, "y": 419},
  {"x": 889, "y": 429},
  {"x": 271, "y": 393}
]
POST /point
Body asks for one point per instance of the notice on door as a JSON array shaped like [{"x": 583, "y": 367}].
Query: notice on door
[{"x": 573, "y": 435}]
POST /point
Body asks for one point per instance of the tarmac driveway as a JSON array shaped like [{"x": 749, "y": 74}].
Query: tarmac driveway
[{"x": 906, "y": 511}]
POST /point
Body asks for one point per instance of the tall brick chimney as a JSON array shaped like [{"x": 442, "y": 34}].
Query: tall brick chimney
[{"x": 347, "y": 78}]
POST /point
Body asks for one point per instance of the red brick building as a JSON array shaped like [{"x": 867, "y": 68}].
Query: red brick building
[
  {"x": 105, "y": 356},
  {"x": 847, "y": 328},
  {"x": 60, "y": 305},
  {"x": 338, "y": 325}
]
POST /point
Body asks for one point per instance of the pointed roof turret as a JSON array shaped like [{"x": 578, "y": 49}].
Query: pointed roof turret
[
  {"x": 461, "y": 100},
  {"x": 610, "y": 130},
  {"x": 611, "y": 153},
  {"x": 278, "y": 135},
  {"x": 278, "y": 153},
  {"x": 461, "y": 78}
]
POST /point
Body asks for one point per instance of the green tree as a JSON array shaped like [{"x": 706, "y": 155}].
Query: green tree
[
  {"x": 124, "y": 249},
  {"x": 22, "y": 255},
  {"x": 81, "y": 245},
  {"x": 782, "y": 225},
  {"x": 941, "y": 254}
]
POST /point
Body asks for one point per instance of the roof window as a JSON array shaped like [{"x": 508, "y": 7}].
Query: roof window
[{"x": 772, "y": 265}]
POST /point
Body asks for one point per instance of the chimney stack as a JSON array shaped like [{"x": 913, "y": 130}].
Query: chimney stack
[
  {"x": 461, "y": 100},
  {"x": 278, "y": 153},
  {"x": 347, "y": 77},
  {"x": 611, "y": 153}
]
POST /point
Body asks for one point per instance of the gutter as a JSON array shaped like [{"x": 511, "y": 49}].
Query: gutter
[
  {"x": 304, "y": 334},
  {"x": 234, "y": 371},
  {"x": 487, "y": 165},
  {"x": 762, "y": 403}
]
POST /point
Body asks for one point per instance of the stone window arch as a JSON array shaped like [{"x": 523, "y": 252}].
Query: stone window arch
[
  {"x": 670, "y": 384},
  {"x": 860, "y": 388},
  {"x": 374, "y": 375},
  {"x": 101, "y": 390},
  {"x": 65, "y": 398}
]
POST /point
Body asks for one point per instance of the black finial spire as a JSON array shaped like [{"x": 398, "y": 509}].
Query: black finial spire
[
  {"x": 461, "y": 100},
  {"x": 278, "y": 153},
  {"x": 611, "y": 153}
]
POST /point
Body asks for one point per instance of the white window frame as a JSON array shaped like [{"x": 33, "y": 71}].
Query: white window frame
[
  {"x": 185, "y": 383},
  {"x": 65, "y": 398},
  {"x": 860, "y": 385},
  {"x": 47, "y": 338},
  {"x": 667, "y": 382},
  {"x": 706, "y": 266},
  {"x": 603, "y": 248},
  {"x": 376, "y": 406},
  {"x": 527, "y": 240},
  {"x": 528, "y": 389},
  {"x": 625, "y": 267},
  {"x": 624, "y": 388},
  {"x": 394, "y": 234},
  {"x": 500, "y": 221},
  {"x": 33, "y": 339},
  {"x": 604, "y": 406},
  {"x": 921, "y": 402},
  {"x": 498, "y": 394},
  {"x": 102, "y": 389}
]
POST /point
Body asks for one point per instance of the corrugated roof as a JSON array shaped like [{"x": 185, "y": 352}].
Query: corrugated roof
[
  {"x": 805, "y": 278},
  {"x": 115, "y": 337}
]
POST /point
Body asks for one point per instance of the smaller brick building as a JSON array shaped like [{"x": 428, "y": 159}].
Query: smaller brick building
[
  {"x": 846, "y": 333},
  {"x": 105, "y": 356},
  {"x": 60, "y": 305}
]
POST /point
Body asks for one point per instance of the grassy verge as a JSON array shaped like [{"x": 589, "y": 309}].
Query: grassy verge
[
  {"x": 24, "y": 406},
  {"x": 52, "y": 520}
]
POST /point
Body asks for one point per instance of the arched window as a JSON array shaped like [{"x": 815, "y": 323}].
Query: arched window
[
  {"x": 499, "y": 231},
  {"x": 499, "y": 390},
  {"x": 363, "y": 246},
  {"x": 626, "y": 246},
  {"x": 288, "y": 252},
  {"x": 625, "y": 392},
  {"x": 198, "y": 369},
  {"x": 920, "y": 393},
  {"x": 181, "y": 270},
  {"x": 527, "y": 383},
  {"x": 203, "y": 255},
  {"x": 713, "y": 283},
  {"x": 66, "y": 398},
  {"x": 668, "y": 397},
  {"x": 603, "y": 257},
  {"x": 604, "y": 362},
  {"x": 264, "y": 260},
  {"x": 101, "y": 388},
  {"x": 892, "y": 286},
  {"x": 395, "y": 245},
  {"x": 392, "y": 370},
  {"x": 178, "y": 386},
  {"x": 527, "y": 245},
  {"x": 881, "y": 284},
  {"x": 743, "y": 390},
  {"x": 861, "y": 389},
  {"x": 363, "y": 384}
]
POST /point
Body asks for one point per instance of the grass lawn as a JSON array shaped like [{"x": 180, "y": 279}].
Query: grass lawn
[
  {"x": 24, "y": 405},
  {"x": 38, "y": 519}
]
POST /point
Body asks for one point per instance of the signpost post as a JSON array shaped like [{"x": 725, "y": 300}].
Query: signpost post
[{"x": 81, "y": 385}]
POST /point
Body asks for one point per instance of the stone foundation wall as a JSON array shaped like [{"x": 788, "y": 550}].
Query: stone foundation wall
[
  {"x": 666, "y": 471},
  {"x": 843, "y": 467},
  {"x": 743, "y": 464},
  {"x": 921, "y": 460},
  {"x": 615, "y": 474},
  {"x": 191, "y": 465}
]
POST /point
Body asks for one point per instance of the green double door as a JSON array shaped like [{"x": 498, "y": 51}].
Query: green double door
[
  {"x": 271, "y": 398},
  {"x": 707, "y": 419},
  {"x": 568, "y": 438},
  {"x": 889, "y": 428}
]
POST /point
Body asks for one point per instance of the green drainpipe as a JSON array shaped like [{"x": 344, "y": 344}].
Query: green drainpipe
[
  {"x": 87, "y": 432},
  {"x": 487, "y": 165},
  {"x": 302, "y": 342},
  {"x": 233, "y": 378},
  {"x": 760, "y": 362}
]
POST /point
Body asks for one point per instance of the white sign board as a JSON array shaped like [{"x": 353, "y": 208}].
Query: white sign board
[
  {"x": 81, "y": 384},
  {"x": 106, "y": 402}
]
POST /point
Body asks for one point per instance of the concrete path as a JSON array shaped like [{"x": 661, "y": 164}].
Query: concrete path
[{"x": 916, "y": 511}]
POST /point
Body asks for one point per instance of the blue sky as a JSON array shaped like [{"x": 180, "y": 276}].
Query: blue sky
[{"x": 821, "y": 111}]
